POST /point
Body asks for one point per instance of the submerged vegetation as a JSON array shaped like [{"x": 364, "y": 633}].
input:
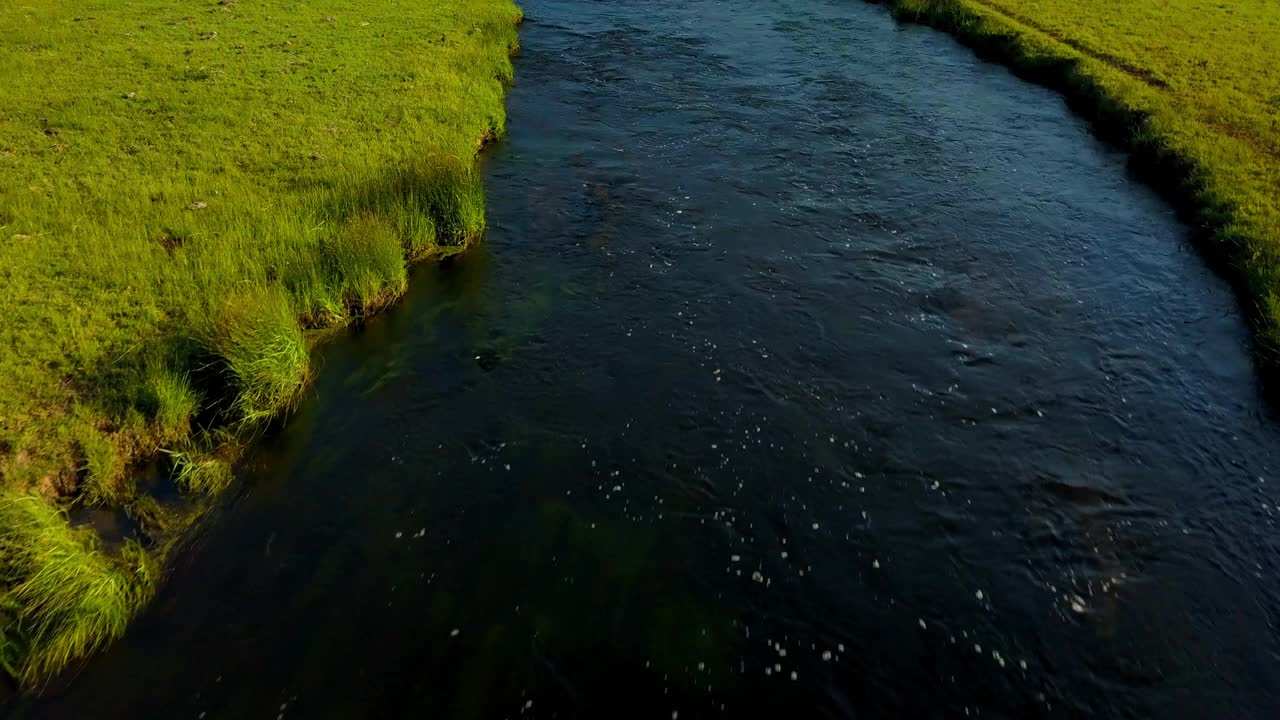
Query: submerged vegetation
[
  {"x": 186, "y": 189},
  {"x": 1190, "y": 86}
]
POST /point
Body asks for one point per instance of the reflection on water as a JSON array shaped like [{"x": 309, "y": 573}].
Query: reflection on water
[{"x": 813, "y": 368}]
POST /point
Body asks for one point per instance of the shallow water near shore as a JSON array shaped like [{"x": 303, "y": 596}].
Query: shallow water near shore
[{"x": 812, "y": 368}]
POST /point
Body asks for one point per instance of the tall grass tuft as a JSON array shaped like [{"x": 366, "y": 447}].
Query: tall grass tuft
[
  {"x": 451, "y": 190},
  {"x": 317, "y": 297},
  {"x": 104, "y": 477},
  {"x": 200, "y": 474},
  {"x": 432, "y": 202},
  {"x": 367, "y": 256},
  {"x": 172, "y": 398},
  {"x": 260, "y": 344},
  {"x": 65, "y": 598}
]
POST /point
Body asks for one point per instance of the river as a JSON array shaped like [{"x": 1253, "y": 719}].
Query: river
[{"x": 812, "y": 367}]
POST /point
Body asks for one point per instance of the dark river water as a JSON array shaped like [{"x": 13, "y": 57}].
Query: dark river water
[{"x": 812, "y": 368}]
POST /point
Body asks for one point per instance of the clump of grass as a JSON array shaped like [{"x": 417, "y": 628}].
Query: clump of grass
[
  {"x": 159, "y": 521},
  {"x": 449, "y": 189},
  {"x": 172, "y": 398},
  {"x": 433, "y": 202},
  {"x": 368, "y": 258},
  {"x": 317, "y": 296},
  {"x": 63, "y": 596},
  {"x": 200, "y": 474},
  {"x": 104, "y": 477},
  {"x": 260, "y": 344}
]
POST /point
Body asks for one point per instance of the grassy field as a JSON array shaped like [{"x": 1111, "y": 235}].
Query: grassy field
[
  {"x": 187, "y": 188},
  {"x": 1191, "y": 86}
]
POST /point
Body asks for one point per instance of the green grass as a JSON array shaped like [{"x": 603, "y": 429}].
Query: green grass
[
  {"x": 1192, "y": 87},
  {"x": 170, "y": 400},
  {"x": 254, "y": 337},
  {"x": 63, "y": 597},
  {"x": 200, "y": 474},
  {"x": 104, "y": 478},
  {"x": 187, "y": 189}
]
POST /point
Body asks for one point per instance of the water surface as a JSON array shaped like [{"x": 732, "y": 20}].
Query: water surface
[{"x": 812, "y": 368}]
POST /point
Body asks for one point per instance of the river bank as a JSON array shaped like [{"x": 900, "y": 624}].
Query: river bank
[
  {"x": 1188, "y": 87},
  {"x": 190, "y": 195}
]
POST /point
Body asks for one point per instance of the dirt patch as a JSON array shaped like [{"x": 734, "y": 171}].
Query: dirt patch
[
  {"x": 58, "y": 486},
  {"x": 171, "y": 242}
]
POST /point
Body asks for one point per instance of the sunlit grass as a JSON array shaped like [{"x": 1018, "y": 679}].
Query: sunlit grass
[
  {"x": 258, "y": 342},
  {"x": 186, "y": 188},
  {"x": 368, "y": 259},
  {"x": 103, "y": 471},
  {"x": 1193, "y": 88},
  {"x": 63, "y": 597},
  {"x": 173, "y": 400},
  {"x": 157, "y": 158}
]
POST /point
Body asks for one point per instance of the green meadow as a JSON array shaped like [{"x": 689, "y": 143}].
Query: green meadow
[
  {"x": 189, "y": 191},
  {"x": 1191, "y": 87}
]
